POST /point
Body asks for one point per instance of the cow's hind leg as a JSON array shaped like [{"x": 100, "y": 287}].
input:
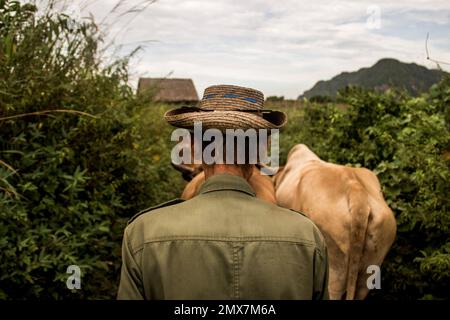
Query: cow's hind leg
[{"x": 337, "y": 281}]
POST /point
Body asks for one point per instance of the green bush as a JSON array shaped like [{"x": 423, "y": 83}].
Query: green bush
[{"x": 70, "y": 180}]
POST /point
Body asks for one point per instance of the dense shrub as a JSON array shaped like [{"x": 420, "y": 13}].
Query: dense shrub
[{"x": 69, "y": 181}]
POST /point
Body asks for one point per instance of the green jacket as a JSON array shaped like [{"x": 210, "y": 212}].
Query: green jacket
[{"x": 223, "y": 244}]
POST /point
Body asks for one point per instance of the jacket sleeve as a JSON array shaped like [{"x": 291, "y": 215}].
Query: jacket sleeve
[
  {"x": 321, "y": 274},
  {"x": 130, "y": 286}
]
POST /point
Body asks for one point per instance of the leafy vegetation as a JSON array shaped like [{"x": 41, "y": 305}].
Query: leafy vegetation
[
  {"x": 79, "y": 156},
  {"x": 275, "y": 98},
  {"x": 80, "y": 153}
]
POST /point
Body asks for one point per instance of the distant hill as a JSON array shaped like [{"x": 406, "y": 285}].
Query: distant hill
[{"x": 383, "y": 75}]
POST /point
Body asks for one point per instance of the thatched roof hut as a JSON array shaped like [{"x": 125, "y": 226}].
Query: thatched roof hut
[{"x": 170, "y": 90}]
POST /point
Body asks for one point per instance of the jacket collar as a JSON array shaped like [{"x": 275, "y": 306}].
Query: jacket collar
[{"x": 226, "y": 182}]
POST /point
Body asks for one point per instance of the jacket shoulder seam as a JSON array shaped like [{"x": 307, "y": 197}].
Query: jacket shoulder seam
[{"x": 161, "y": 205}]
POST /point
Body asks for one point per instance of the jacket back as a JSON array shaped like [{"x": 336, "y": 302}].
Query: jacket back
[{"x": 223, "y": 244}]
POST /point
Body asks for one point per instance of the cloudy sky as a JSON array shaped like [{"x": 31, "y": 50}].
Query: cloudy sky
[{"x": 281, "y": 47}]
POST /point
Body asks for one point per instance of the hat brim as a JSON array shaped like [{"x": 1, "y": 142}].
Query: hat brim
[{"x": 225, "y": 119}]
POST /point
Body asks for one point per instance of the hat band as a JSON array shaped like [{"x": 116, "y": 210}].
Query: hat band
[
  {"x": 230, "y": 103},
  {"x": 253, "y": 99}
]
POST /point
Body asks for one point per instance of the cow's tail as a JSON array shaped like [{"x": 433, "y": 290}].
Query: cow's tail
[{"x": 359, "y": 212}]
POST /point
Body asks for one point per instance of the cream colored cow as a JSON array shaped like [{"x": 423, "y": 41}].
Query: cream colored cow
[{"x": 348, "y": 207}]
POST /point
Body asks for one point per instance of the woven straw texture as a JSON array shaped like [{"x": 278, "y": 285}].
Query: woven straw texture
[{"x": 220, "y": 109}]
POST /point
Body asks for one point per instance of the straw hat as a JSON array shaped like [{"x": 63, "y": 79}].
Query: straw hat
[{"x": 228, "y": 107}]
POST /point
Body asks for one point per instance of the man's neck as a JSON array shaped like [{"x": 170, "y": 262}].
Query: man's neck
[{"x": 235, "y": 170}]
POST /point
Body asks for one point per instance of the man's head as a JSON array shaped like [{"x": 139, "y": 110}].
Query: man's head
[{"x": 232, "y": 124}]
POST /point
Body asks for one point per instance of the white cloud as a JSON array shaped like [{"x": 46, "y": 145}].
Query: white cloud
[{"x": 280, "y": 47}]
